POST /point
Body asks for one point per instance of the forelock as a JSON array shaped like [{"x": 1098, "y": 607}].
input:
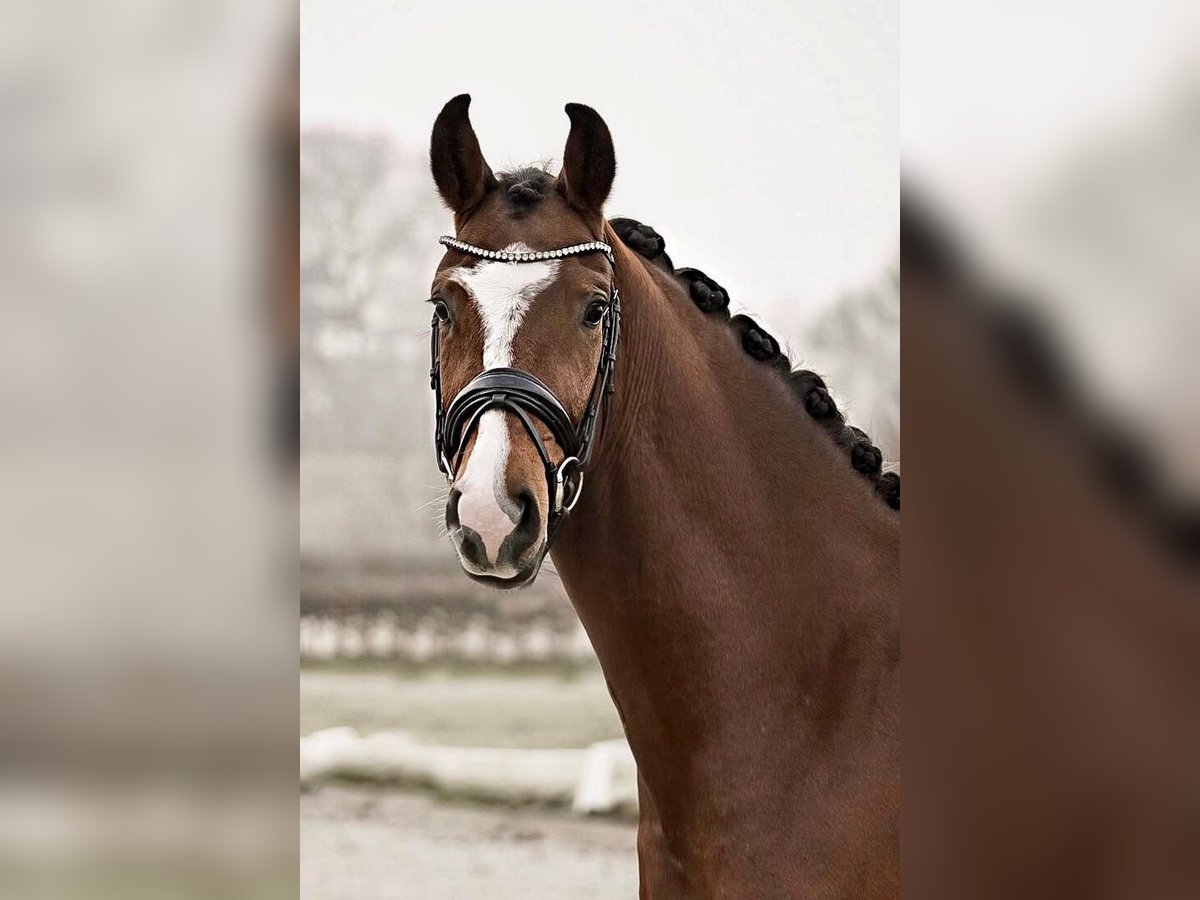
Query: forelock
[{"x": 526, "y": 187}]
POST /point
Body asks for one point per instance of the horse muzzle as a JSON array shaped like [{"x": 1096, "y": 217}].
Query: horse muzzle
[{"x": 500, "y": 540}]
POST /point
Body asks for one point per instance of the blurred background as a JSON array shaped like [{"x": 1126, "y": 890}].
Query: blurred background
[
  {"x": 148, "y": 244},
  {"x": 1051, "y": 281},
  {"x": 1063, "y": 157},
  {"x": 762, "y": 131}
]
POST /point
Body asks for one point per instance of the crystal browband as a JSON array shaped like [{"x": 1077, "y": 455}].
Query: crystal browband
[{"x": 530, "y": 256}]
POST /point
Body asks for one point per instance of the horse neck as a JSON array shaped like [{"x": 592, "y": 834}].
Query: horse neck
[{"x": 734, "y": 574}]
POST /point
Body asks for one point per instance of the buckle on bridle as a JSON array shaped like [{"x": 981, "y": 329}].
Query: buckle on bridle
[{"x": 562, "y": 481}]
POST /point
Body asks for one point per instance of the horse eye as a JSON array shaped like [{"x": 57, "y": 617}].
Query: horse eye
[
  {"x": 595, "y": 313},
  {"x": 441, "y": 311}
]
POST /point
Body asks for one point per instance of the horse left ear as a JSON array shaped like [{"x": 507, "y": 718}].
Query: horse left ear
[
  {"x": 462, "y": 175},
  {"x": 589, "y": 161}
]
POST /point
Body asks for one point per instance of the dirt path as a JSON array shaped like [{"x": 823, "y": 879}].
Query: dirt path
[{"x": 367, "y": 844}]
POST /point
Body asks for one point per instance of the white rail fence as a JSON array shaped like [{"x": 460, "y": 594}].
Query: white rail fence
[{"x": 383, "y": 636}]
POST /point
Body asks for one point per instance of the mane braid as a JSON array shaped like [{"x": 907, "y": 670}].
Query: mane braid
[{"x": 809, "y": 387}]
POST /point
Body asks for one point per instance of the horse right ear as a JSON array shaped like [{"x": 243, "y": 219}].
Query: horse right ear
[
  {"x": 589, "y": 162},
  {"x": 462, "y": 175}
]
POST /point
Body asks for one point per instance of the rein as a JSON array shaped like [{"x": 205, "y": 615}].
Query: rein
[{"x": 526, "y": 396}]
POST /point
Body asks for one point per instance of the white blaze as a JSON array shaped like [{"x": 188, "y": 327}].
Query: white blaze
[{"x": 502, "y": 293}]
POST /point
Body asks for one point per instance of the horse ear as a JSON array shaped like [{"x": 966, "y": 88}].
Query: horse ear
[
  {"x": 462, "y": 175},
  {"x": 589, "y": 162}
]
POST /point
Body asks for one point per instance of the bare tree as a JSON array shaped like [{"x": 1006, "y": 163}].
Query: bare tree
[
  {"x": 856, "y": 343},
  {"x": 365, "y": 214}
]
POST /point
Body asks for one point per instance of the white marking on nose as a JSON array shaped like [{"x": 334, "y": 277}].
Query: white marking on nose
[
  {"x": 484, "y": 506},
  {"x": 502, "y": 293}
]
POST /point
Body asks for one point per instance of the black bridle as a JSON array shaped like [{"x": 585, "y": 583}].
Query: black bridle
[{"x": 526, "y": 397}]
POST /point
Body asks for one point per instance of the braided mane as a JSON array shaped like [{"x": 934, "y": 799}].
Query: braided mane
[{"x": 808, "y": 386}]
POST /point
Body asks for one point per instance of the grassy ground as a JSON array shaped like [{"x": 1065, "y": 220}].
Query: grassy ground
[{"x": 465, "y": 707}]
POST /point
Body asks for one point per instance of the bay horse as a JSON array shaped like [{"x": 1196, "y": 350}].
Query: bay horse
[{"x": 734, "y": 553}]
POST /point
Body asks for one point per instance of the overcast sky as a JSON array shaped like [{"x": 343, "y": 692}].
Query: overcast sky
[{"x": 761, "y": 138}]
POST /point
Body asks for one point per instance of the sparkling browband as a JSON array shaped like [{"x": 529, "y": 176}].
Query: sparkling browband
[{"x": 532, "y": 256}]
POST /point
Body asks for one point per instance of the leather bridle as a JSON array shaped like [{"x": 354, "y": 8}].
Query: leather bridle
[{"x": 527, "y": 397}]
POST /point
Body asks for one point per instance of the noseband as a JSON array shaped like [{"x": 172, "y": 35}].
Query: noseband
[{"x": 526, "y": 397}]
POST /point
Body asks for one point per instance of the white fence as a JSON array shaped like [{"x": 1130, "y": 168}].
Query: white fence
[{"x": 325, "y": 639}]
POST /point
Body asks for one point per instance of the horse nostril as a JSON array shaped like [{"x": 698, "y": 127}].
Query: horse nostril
[
  {"x": 528, "y": 529},
  {"x": 452, "y": 508},
  {"x": 527, "y": 504}
]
